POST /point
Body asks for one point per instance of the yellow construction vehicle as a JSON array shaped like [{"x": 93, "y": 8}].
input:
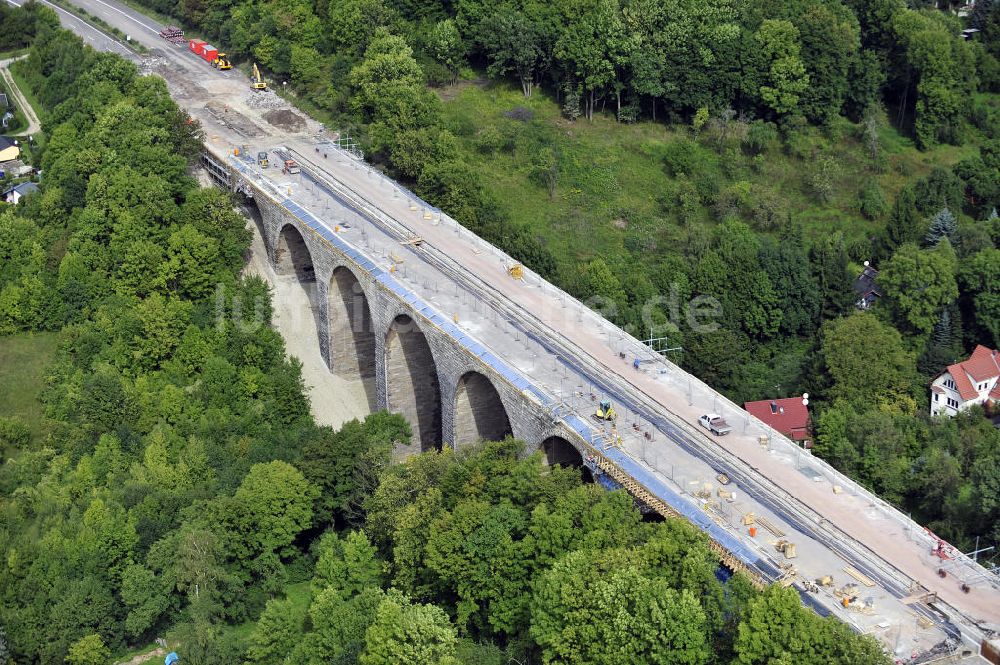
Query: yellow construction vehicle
[
  {"x": 222, "y": 62},
  {"x": 257, "y": 81},
  {"x": 516, "y": 271},
  {"x": 605, "y": 411},
  {"x": 262, "y": 161}
]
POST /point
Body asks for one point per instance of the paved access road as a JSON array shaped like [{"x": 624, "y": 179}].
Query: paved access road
[{"x": 34, "y": 126}]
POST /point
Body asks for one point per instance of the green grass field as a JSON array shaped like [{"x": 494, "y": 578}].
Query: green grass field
[
  {"x": 23, "y": 361},
  {"x": 613, "y": 191}
]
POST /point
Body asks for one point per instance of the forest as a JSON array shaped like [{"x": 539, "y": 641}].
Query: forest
[
  {"x": 179, "y": 487},
  {"x": 754, "y": 152}
]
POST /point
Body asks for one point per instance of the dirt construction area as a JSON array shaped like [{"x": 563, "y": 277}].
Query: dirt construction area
[{"x": 286, "y": 119}]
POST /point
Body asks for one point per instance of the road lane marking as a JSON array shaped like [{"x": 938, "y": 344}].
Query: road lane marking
[
  {"x": 82, "y": 23},
  {"x": 128, "y": 16}
]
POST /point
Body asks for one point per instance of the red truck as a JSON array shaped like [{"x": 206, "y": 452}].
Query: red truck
[{"x": 209, "y": 54}]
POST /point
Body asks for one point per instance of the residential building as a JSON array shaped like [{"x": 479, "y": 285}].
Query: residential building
[
  {"x": 17, "y": 192},
  {"x": 8, "y": 149},
  {"x": 866, "y": 288},
  {"x": 965, "y": 384},
  {"x": 788, "y": 416}
]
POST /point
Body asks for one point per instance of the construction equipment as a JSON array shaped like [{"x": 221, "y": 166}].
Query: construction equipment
[
  {"x": 288, "y": 165},
  {"x": 516, "y": 271},
  {"x": 262, "y": 159},
  {"x": 605, "y": 412},
  {"x": 173, "y": 34},
  {"x": 614, "y": 440},
  {"x": 209, "y": 54},
  {"x": 256, "y": 80}
]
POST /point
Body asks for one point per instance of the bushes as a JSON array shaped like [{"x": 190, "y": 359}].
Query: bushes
[
  {"x": 760, "y": 136},
  {"x": 14, "y": 435},
  {"x": 679, "y": 157},
  {"x": 872, "y": 201}
]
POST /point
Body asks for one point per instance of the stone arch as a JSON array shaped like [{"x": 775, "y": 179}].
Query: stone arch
[
  {"x": 411, "y": 381},
  {"x": 292, "y": 255},
  {"x": 350, "y": 330},
  {"x": 479, "y": 412},
  {"x": 292, "y": 258},
  {"x": 560, "y": 451},
  {"x": 257, "y": 224}
]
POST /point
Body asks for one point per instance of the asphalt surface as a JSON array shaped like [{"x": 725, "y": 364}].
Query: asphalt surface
[{"x": 90, "y": 34}]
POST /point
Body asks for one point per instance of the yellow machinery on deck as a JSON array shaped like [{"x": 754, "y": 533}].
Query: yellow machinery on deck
[{"x": 605, "y": 411}]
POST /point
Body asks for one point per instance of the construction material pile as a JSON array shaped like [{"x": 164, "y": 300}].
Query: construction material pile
[
  {"x": 286, "y": 120},
  {"x": 264, "y": 100},
  {"x": 173, "y": 34}
]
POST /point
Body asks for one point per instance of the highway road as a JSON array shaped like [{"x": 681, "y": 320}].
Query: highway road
[
  {"x": 90, "y": 34},
  {"x": 577, "y": 356}
]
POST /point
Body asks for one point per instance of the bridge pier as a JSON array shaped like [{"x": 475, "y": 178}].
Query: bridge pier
[{"x": 322, "y": 305}]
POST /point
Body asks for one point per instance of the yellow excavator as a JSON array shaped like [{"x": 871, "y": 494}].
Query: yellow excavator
[
  {"x": 605, "y": 412},
  {"x": 257, "y": 81}
]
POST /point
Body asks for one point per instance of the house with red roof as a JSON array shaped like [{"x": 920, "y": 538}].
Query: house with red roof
[
  {"x": 789, "y": 416},
  {"x": 970, "y": 382}
]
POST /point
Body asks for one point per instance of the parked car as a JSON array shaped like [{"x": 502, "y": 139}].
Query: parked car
[{"x": 715, "y": 424}]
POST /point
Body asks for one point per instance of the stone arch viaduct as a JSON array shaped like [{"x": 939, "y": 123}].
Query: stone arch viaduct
[{"x": 408, "y": 359}]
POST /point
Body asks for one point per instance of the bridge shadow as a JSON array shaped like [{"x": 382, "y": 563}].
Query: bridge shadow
[
  {"x": 412, "y": 383},
  {"x": 293, "y": 259},
  {"x": 559, "y": 451},
  {"x": 351, "y": 334},
  {"x": 479, "y": 412}
]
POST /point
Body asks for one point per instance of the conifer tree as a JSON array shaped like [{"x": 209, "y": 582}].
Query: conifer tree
[{"x": 942, "y": 226}]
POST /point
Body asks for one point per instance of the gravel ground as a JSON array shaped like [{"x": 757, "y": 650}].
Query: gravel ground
[{"x": 264, "y": 100}]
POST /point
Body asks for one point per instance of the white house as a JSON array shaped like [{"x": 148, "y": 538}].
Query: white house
[
  {"x": 17, "y": 192},
  {"x": 964, "y": 384}
]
